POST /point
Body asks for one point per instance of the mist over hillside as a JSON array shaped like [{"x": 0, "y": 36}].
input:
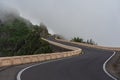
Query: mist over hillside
[
  {"x": 18, "y": 36},
  {"x": 7, "y": 13},
  {"x": 96, "y": 19}
]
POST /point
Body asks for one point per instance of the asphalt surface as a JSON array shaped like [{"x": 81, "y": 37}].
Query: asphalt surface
[
  {"x": 88, "y": 66},
  {"x": 9, "y": 73}
]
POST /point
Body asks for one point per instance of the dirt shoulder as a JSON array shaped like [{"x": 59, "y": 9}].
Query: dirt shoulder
[{"x": 113, "y": 66}]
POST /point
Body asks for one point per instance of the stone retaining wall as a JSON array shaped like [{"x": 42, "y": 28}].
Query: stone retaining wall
[
  {"x": 16, "y": 60},
  {"x": 93, "y": 46}
]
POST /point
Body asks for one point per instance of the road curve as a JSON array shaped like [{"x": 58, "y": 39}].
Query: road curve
[{"x": 88, "y": 66}]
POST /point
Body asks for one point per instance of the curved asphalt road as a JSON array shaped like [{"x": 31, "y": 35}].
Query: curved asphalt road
[{"x": 88, "y": 66}]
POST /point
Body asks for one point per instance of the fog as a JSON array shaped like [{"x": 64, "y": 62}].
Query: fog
[
  {"x": 7, "y": 12},
  {"x": 96, "y": 19}
]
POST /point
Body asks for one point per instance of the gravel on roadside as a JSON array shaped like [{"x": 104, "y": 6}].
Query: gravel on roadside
[{"x": 113, "y": 66}]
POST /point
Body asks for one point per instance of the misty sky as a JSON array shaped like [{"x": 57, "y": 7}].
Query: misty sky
[{"x": 96, "y": 19}]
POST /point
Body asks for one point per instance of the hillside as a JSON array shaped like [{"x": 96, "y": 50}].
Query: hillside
[{"x": 19, "y": 37}]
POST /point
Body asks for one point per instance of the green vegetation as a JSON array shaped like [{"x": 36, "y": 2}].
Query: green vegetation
[
  {"x": 77, "y": 39},
  {"x": 81, "y": 40},
  {"x": 58, "y": 36},
  {"x": 90, "y": 41},
  {"x": 20, "y": 37}
]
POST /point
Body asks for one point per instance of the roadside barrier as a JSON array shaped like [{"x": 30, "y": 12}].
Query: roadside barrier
[
  {"x": 17, "y": 60},
  {"x": 92, "y": 46}
]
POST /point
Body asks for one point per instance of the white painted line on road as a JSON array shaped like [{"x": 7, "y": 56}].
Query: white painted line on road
[
  {"x": 20, "y": 73},
  {"x": 104, "y": 66}
]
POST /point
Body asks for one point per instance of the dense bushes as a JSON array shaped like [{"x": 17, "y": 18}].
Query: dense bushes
[
  {"x": 20, "y": 38},
  {"x": 77, "y": 39},
  {"x": 89, "y": 41}
]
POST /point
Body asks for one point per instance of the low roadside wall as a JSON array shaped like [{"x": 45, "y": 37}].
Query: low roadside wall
[
  {"x": 92, "y": 46},
  {"x": 17, "y": 60}
]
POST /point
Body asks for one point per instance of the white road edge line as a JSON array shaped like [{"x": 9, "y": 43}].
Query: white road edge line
[
  {"x": 21, "y": 71},
  {"x": 104, "y": 66}
]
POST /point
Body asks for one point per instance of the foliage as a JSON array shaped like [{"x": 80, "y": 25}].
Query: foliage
[
  {"x": 89, "y": 41},
  {"x": 19, "y": 38},
  {"x": 77, "y": 39},
  {"x": 58, "y": 36},
  {"x": 41, "y": 29}
]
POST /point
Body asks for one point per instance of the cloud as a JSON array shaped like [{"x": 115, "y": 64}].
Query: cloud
[
  {"x": 96, "y": 19},
  {"x": 7, "y": 12}
]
